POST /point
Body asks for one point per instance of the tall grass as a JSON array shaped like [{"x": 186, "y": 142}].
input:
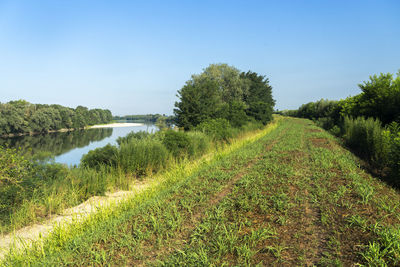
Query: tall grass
[
  {"x": 219, "y": 129},
  {"x": 199, "y": 144},
  {"x": 379, "y": 145},
  {"x": 143, "y": 156},
  {"x": 368, "y": 138},
  {"x": 50, "y": 188},
  {"x": 393, "y": 133}
]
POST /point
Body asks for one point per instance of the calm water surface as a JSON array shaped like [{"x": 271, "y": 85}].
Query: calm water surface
[{"x": 69, "y": 147}]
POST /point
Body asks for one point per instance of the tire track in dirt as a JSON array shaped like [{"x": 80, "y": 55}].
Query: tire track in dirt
[
  {"x": 213, "y": 201},
  {"x": 317, "y": 233},
  {"x": 303, "y": 235}
]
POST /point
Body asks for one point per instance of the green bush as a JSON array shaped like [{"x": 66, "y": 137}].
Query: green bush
[
  {"x": 14, "y": 170},
  {"x": 133, "y": 135},
  {"x": 199, "y": 144},
  {"x": 100, "y": 156},
  {"x": 143, "y": 156},
  {"x": 252, "y": 126},
  {"x": 368, "y": 138},
  {"x": 394, "y": 155},
  {"x": 13, "y": 166},
  {"x": 90, "y": 181},
  {"x": 326, "y": 122},
  {"x": 217, "y": 129},
  {"x": 178, "y": 143},
  {"x": 336, "y": 130}
]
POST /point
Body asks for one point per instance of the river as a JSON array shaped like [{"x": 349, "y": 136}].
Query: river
[{"x": 69, "y": 147}]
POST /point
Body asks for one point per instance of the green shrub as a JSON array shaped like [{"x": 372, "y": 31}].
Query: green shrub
[
  {"x": 394, "y": 156},
  {"x": 336, "y": 130},
  {"x": 90, "y": 181},
  {"x": 143, "y": 156},
  {"x": 178, "y": 143},
  {"x": 133, "y": 135},
  {"x": 368, "y": 138},
  {"x": 252, "y": 126},
  {"x": 217, "y": 129},
  {"x": 326, "y": 122},
  {"x": 13, "y": 167},
  {"x": 199, "y": 144},
  {"x": 14, "y": 170},
  {"x": 100, "y": 156}
]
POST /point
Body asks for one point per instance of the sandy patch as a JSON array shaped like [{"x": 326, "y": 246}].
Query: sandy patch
[
  {"x": 117, "y": 125},
  {"x": 24, "y": 236}
]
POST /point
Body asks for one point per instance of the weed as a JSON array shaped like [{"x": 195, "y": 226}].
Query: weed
[{"x": 365, "y": 191}]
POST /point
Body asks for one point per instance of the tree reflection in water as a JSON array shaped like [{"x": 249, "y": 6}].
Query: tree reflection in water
[{"x": 43, "y": 146}]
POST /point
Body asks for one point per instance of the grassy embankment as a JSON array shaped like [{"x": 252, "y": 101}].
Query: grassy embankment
[
  {"x": 292, "y": 197},
  {"x": 42, "y": 190},
  {"x": 58, "y": 187}
]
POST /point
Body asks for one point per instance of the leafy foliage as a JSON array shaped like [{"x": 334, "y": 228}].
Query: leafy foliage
[
  {"x": 258, "y": 97},
  {"x": 22, "y": 117},
  {"x": 200, "y": 100},
  {"x": 133, "y": 135},
  {"x": 199, "y": 143},
  {"x": 13, "y": 167},
  {"x": 186, "y": 144},
  {"x": 380, "y": 98},
  {"x": 221, "y": 91},
  {"x": 106, "y": 155},
  {"x": 394, "y": 154},
  {"x": 367, "y": 137},
  {"x": 178, "y": 143},
  {"x": 217, "y": 129}
]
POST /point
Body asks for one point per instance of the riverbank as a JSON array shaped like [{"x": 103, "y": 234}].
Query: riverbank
[
  {"x": 97, "y": 126},
  {"x": 116, "y": 125}
]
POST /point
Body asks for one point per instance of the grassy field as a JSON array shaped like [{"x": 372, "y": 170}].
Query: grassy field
[{"x": 293, "y": 196}]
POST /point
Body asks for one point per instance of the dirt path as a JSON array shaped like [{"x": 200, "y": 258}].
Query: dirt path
[
  {"x": 33, "y": 232},
  {"x": 184, "y": 235}
]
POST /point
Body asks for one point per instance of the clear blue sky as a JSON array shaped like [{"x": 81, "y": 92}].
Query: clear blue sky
[{"x": 132, "y": 56}]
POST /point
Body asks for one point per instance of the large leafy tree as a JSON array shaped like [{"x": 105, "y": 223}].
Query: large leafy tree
[
  {"x": 229, "y": 82},
  {"x": 258, "y": 97},
  {"x": 200, "y": 100},
  {"x": 221, "y": 91}
]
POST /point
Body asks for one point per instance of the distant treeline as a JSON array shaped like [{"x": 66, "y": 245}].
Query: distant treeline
[
  {"x": 150, "y": 118},
  {"x": 22, "y": 117},
  {"x": 379, "y": 99},
  {"x": 369, "y": 122}
]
